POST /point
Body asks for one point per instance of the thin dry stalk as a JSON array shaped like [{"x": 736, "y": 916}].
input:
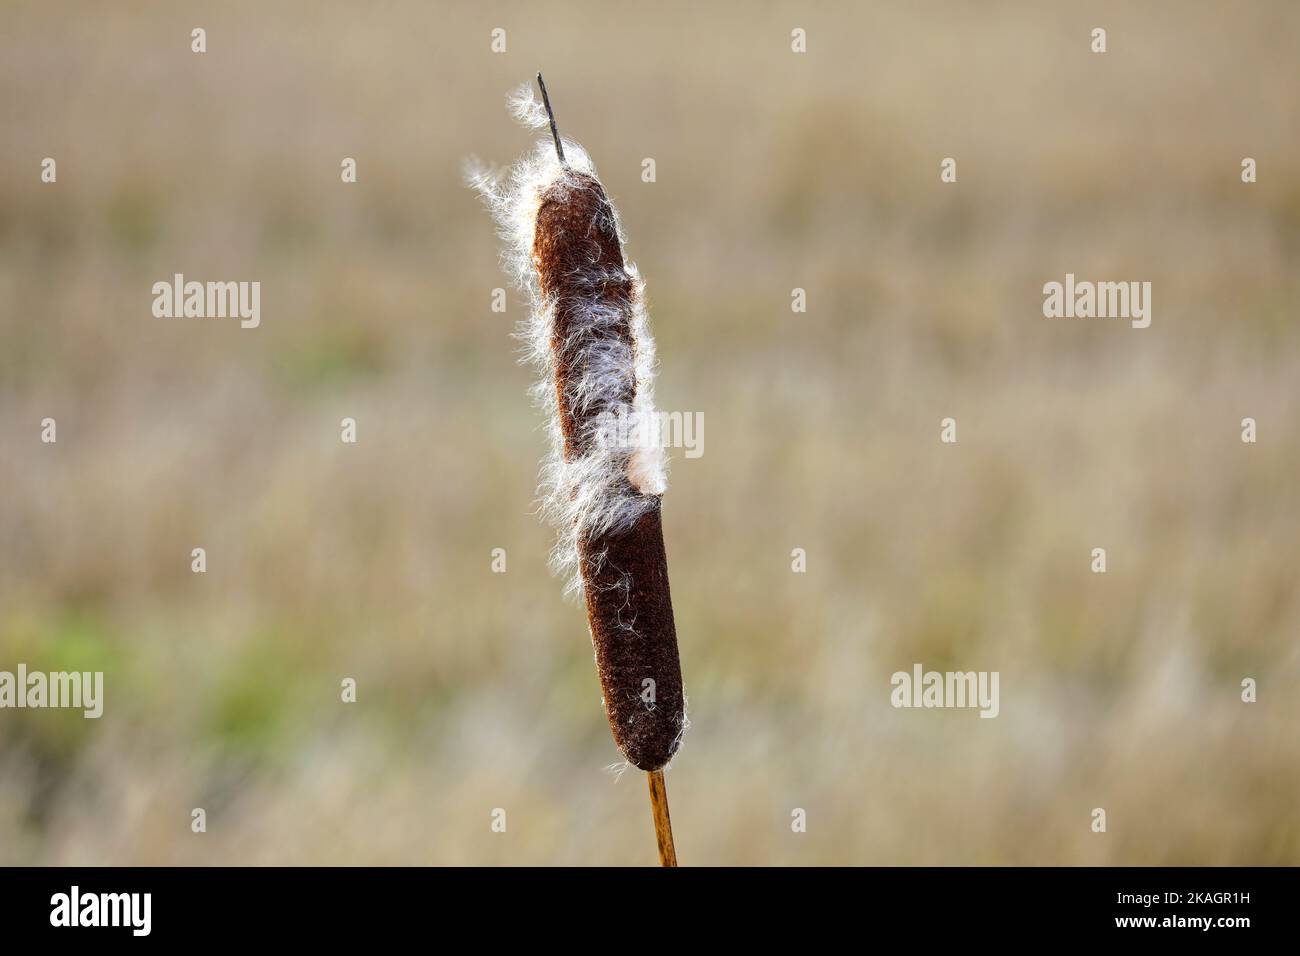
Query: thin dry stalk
[{"x": 663, "y": 823}]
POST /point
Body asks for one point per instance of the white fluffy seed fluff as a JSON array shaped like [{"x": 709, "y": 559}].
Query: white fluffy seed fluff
[{"x": 611, "y": 485}]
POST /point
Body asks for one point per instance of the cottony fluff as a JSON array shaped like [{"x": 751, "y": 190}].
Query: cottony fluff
[{"x": 605, "y": 488}]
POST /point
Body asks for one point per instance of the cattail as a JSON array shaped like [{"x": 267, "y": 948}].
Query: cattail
[{"x": 588, "y": 333}]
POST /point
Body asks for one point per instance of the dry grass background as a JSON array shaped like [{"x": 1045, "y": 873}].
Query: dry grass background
[{"x": 774, "y": 171}]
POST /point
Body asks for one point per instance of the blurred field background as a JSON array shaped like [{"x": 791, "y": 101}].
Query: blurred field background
[{"x": 775, "y": 171}]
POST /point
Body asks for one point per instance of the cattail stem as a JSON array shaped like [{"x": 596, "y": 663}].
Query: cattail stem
[
  {"x": 663, "y": 823},
  {"x": 589, "y": 332}
]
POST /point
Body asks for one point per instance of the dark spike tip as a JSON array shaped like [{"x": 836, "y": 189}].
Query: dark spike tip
[{"x": 550, "y": 115}]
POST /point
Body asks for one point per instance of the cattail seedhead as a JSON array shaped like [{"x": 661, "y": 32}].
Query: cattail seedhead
[
  {"x": 589, "y": 484},
  {"x": 588, "y": 332}
]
